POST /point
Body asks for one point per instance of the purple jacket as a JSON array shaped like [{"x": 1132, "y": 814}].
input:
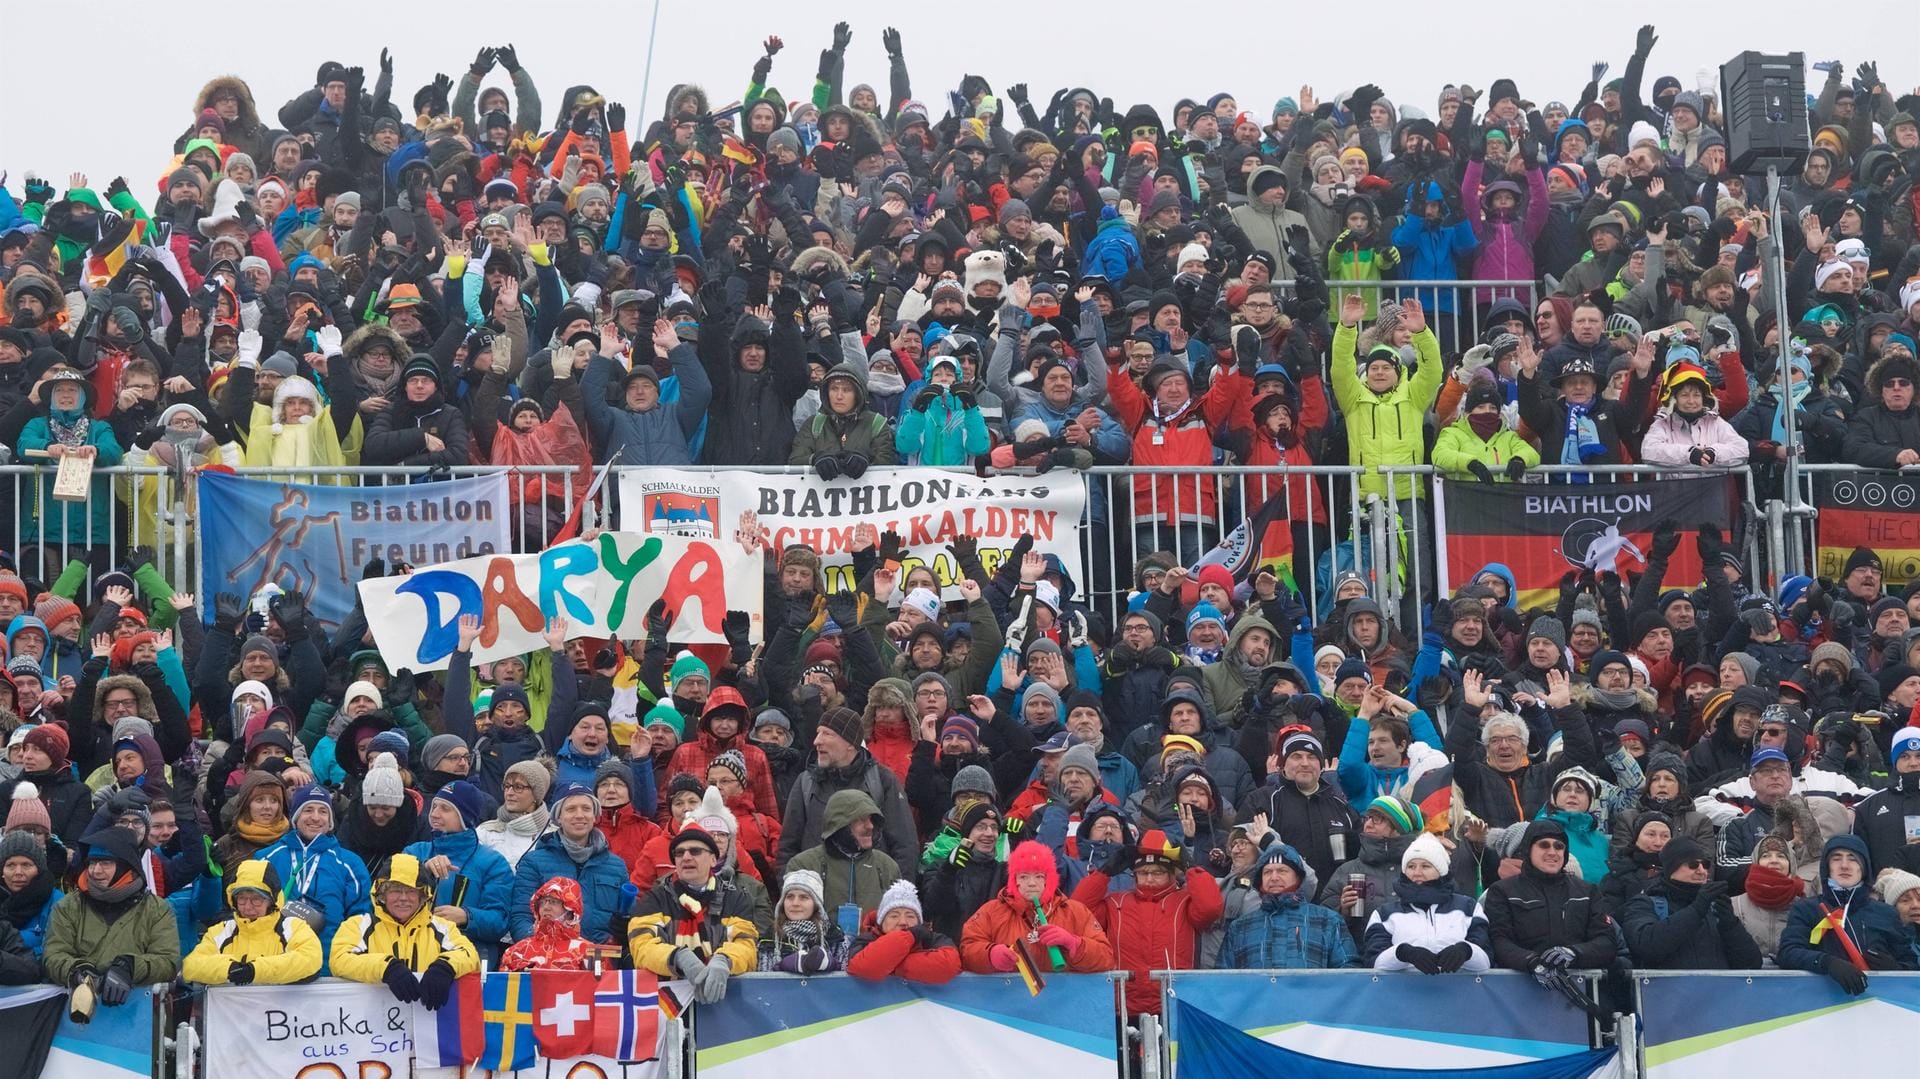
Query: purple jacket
[{"x": 1506, "y": 245}]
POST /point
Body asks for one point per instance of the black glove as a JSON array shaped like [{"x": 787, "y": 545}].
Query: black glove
[
  {"x": 240, "y": 974},
  {"x": 1710, "y": 542},
  {"x": 735, "y": 626},
  {"x": 1419, "y": 958},
  {"x": 228, "y": 609},
  {"x": 892, "y": 546},
  {"x": 827, "y": 466},
  {"x": 1480, "y": 471},
  {"x": 1453, "y": 956},
  {"x": 854, "y": 465},
  {"x": 403, "y": 686},
  {"x": 925, "y": 399},
  {"x": 147, "y": 436},
  {"x": 289, "y": 609},
  {"x": 659, "y": 621},
  {"x": 1120, "y": 860},
  {"x": 616, "y": 116},
  {"x": 1609, "y": 585},
  {"x": 965, "y": 399},
  {"x": 924, "y": 937},
  {"x": 80, "y": 973},
  {"x": 582, "y": 122},
  {"x": 509, "y": 58},
  {"x": 483, "y": 62},
  {"x": 891, "y": 39},
  {"x": 129, "y": 323},
  {"x": 436, "y": 985},
  {"x": 119, "y": 981},
  {"x": 1879, "y": 960},
  {"x": 844, "y": 609},
  {"x": 1851, "y": 979},
  {"x": 1710, "y": 892},
  {"x": 1666, "y": 539},
  {"x": 1516, "y": 468},
  {"x": 399, "y": 979}
]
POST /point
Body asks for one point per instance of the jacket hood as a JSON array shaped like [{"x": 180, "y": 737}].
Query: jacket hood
[
  {"x": 1032, "y": 857},
  {"x": 258, "y": 875},
  {"x": 142, "y": 696},
  {"x": 854, "y": 375},
  {"x": 1246, "y": 624},
  {"x": 1190, "y": 697},
  {"x": 1543, "y": 828},
  {"x": 1501, "y": 570},
  {"x": 401, "y": 869},
  {"x": 361, "y": 338},
  {"x": 1847, "y": 841},
  {"x": 249, "y": 113},
  {"x": 686, "y": 94},
  {"x": 1284, "y": 852},
  {"x": 815, "y": 257},
  {"x": 845, "y": 807},
  {"x": 27, "y": 621}
]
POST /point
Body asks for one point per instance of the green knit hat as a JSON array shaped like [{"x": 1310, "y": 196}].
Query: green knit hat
[
  {"x": 665, "y": 715},
  {"x": 1404, "y": 814},
  {"x": 687, "y": 664}
]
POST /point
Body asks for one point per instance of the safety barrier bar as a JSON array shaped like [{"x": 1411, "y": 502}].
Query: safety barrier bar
[{"x": 1453, "y": 308}]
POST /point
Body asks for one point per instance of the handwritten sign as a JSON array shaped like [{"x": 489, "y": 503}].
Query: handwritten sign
[
  {"x": 603, "y": 586},
  {"x": 324, "y": 1030}
]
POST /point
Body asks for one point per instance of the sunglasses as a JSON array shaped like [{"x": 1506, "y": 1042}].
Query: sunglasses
[
  {"x": 1896, "y": 382},
  {"x": 1694, "y": 863},
  {"x": 1550, "y": 844}
]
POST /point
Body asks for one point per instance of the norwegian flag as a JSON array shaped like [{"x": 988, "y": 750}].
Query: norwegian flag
[
  {"x": 627, "y": 1016},
  {"x": 563, "y": 1013}
]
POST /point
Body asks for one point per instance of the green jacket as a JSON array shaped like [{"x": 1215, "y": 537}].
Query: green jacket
[
  {"x": 1386, "y": 428},
  {"x": 1458, "y": 445},
  {"x": 860, "y": 880},
  {"x": 80, "y": 935}
]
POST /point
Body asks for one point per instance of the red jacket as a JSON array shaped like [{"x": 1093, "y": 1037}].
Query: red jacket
[
  {"x": 898, "y": 953},
  {"x": 627, "y": 832},
  {"x": 1008, "y": 918},
  {"x": 1152, "y": 931},
  {"x": 892, "y": 745},
  {"x": 694, "y": 758},
  {"x": 1183, "y": 438},
  {"x": 756, "y": 837}
]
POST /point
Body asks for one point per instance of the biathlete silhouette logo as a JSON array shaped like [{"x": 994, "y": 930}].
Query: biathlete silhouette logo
[{"x": 1598, "y": 545}]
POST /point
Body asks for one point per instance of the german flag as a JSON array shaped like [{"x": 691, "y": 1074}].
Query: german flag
[
  {"x": 1876, "y": 510},
  {"x": 1540, "y": 531}
]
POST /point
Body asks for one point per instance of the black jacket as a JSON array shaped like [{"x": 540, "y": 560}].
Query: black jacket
[
  {"x": 1668, "y": 927},
  {"x": 1532, "y": 912},
  {"x": 398, "y": 435},
  {"x": 751, "y": 417},
  {"x": 1882, "y": 819},
  {"x": 1875, "y": 436},
  {"x": 1503, "y": 799}
]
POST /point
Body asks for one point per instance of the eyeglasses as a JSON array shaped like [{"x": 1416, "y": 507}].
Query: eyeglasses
[
  {"x": 1896, "y": 383},
  {"x": 463, "y": 755},
  {"x": 1694, "y": 863},
  {"x": 516, "y": 785},
  {"x": 1505, "y": 740}
]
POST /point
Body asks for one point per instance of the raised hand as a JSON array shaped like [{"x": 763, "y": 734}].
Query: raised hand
[
  {"x": 1559, "y": 689},
  {"x": 469, "y": 631},
  {"x": 774, "y": 44}
]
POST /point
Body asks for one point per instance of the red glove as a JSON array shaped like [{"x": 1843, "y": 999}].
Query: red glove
[
  {"x": 1059, "y": 937},
  {"x": 1000, "y": 957}
]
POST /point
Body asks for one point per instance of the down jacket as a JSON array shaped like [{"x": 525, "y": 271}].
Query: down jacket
[{"x": 281, "y": 947}]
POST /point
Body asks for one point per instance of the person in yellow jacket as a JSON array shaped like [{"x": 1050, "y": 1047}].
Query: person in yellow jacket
[
  {"x": 694, "y": 924},
  {"x": 403, "y": 938},
  {"x": 1480, "y": 445},
  {"x": 261, "y": 943}
]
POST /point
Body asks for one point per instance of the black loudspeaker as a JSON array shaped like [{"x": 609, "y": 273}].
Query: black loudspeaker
[{"x": 1764, "y": 103}]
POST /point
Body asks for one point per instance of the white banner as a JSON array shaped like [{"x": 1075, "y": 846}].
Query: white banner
[
  {"x": 927, "y": 507},
  {"x": 280, "y": 1032},
  {"x": 603, "y": 586}
]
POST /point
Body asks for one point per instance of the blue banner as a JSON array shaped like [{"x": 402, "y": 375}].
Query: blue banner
[
  {"x": 116, "y": 1044},
  {"x": 316, "y": 540},
  {"x": 1212, "y": 1049},
  {"x": 1748, "y": 1023},
  {"x": 779, "y": 1026},
  {"x": 1386, "y": 1019}
]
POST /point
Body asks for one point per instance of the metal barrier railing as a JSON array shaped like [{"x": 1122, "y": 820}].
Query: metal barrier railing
[{"x": 1453, "y": 308}]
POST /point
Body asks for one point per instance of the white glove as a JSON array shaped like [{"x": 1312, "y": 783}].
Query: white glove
[
  {"x": 1477, "y": 358},
  {"x": 329, "y": 340},
  {"x": 249, "y": 353}
]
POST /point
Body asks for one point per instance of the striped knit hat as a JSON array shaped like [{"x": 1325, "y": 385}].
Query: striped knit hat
[{"x": 1403, "y": 814}]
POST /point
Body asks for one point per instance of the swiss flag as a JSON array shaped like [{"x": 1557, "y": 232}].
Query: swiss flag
[{"x": 563, "y": 1012}]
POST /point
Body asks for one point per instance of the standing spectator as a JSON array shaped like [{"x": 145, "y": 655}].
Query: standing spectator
[
  {"x": 1546, "y": 916},
  {"x": 1055, "y": 932}
]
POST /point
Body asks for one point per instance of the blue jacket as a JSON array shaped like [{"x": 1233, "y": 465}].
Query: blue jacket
[
  {"x": 602, "y": 878},
  {"x": 1361, "y": 780},
  {"x": 660, "y": 435},
  {"x": 325, "y": 874},
  {"x": 1288, "y": 932},
  {"x": 1873, "y": 925},
  {"x": 488, "y": 883},
  {"x": 34, "y": 933},
  {"x": 1113, "y": 252},
  {"x": 572, "y": 766},
  {"x": 1430, "y": 252},
  {"x": 940, "y": 434}
]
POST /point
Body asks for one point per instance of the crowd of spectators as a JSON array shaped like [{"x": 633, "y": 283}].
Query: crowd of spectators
[{"x": 1653, "y": 773}]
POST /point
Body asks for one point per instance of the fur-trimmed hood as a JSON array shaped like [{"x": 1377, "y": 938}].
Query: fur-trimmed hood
[
  {"x": 365, "y": 335},
  {"x": 27, "y": 276},
  {"x": 249, "y": 115},
  {"x": 685, "y": 92},
  {"x": 811, "y": 258},
  {"x": 133, "y": 685}
]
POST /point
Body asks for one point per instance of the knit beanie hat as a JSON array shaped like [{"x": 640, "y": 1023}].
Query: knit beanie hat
[
  {"x": 131, "y": 727},
  {"x": 23, "y": 844},
  {"x": 974, "y": 779},
  {"x": 808, "y": 882},
  {"x": 1081, "y": 758},
  {"x": 732, "y": 761},
  {"x": 311, "y": 794},
  {"x": 614, "y": 768},
  {"x": 390, "y": 741},
  {"x": 1404, "y": 815},
  {"x": 1891, "y": 883},
  {"x": 1429, "y": 849},
  {"x": 259, "y": 642},
  {"x": 362, "y": 689},
  {"x": 666, "y": 715},
  {"x": 28, "y": 811},
  {"x": 687, "y": 664},
  {"x": 54, "y": 610},
  {"x": 50, "y": 739},
  {"x": 464, "y": 797},
  {"x": 901, "y": 893},
  {"x": 537, "y": 777},
  {"x": 438, "y": 747},
  {"x": 383, "y": 785}
]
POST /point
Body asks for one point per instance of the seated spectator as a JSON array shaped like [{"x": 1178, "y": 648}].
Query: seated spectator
[
  {"x": 805, "y": 939},
  {"x": 575, "y": 850},
  {"x": 1545, "y": 917},
  {"x": 855, "y": 871},
  {"x": 401, "y": 943},
  {"x": 261, "y": 943},
  {"x": 1053, "y": 931},
  {"x": 523, "y": 816},
  {"x": 475, "y": 882},
  {"x": 1685, "y": 920},
  {"x": 899, "y": 943},
  {"x": 1288, "y": 931},
  {"x": 555, "y": 942},
  {"x": 1426, "y": 925},
  {"x": 1157, "y": 923},
  {"x": 111, "y": 934},
  {"x": 1688, "y": 431},
  {"x": 1771, "y": 886},
  {"x": 28, "y": 889},
  {"x": 326, "y": 883},
  {"x": 692, "y": 924},
  {"x": 1842, "y": 931}
]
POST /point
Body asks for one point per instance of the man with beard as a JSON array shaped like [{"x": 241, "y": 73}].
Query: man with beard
[
  {"x": 422, "y": 430},
  {"x": 1253, "y": 644}
]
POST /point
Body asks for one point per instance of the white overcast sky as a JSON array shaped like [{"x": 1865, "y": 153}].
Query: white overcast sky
[{"x": 107, "y": 94}]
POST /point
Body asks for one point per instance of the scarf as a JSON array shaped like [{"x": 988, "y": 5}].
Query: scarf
[
  {"x": 68, "y": 428},
  {"x": 375, "y": 842},
  {"x": 1582, "y": 442},
  {"x": 23, "y": 906},
  {"x": 261, "y": 834},
  {"x": 1622, "y": 700},
  {"x": 1485, "y": 426},
  {"x": 691, "y": 916},
  {"x": 1771, "y": 889},
  {"x": 1793, "y": 399},
  {"x": 583, "y": 852},
  {"x": 526, "y": 825},
  {"x": 377, "y": 385},
  {"x": 882, "y": 382},
  {"x": 124, "y": 887},
  {"x": 1425, "y": 896}
]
